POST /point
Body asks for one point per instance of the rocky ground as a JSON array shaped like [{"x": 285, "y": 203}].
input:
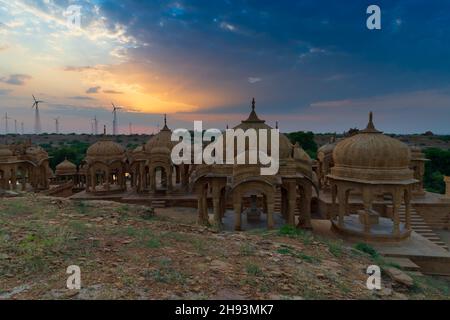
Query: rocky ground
[{"x": 126, "y": 253}]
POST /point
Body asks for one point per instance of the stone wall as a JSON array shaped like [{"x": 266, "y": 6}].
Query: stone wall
[{"x": 447, "y": 186}]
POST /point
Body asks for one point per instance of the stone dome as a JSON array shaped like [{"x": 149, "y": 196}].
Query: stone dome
[
  {"x": 301, "y": 155},
  {"x": 66, "y": 167},
  {"x": 5, "y": 152},
  {"x": 253, "y": 122},
  {"x": 328, "y": 148},
  {"x": 35, "y": 150},
  {"x": 138, "y": 149},
  {"x": 161, "y": 140},
  {"x": 372, "y": 156},
  {"x": 105, "y": 148}
]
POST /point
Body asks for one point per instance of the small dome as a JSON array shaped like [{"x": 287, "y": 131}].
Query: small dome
[
  {"x": 162, "y": 139},
  {"x": 66, "y": 167},
  {"x": 329, "y": 147},
  {"x": 104, "y": 148},
  {"x": 254, "y": 122},
  {"x": 5, "y": 152},
  {"x": 300, "y": 154},
  {"x": 160, "y": 150},
  {"x": 35, "y": 150},
  {"x": 138, "y": 149},
  {"x": 371, "y": 155}
]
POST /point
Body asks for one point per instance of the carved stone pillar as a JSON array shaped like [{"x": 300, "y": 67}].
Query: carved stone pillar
[
  {"x": 396, "y": 206},
  {"x": 367, "y": 201},
  {"x": 408, "y": 210},
  {"x": 292, "y": 203},
  {"x": 341, "y": 200},
  {"x": 270, "y": 222},
  {"x": 237, "y": 211},
  {"x": 447, "y": 186}
]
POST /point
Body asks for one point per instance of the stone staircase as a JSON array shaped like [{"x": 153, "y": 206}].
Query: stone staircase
[
  {"x": 419, "y": 225},
  {"x": 158, "y": 203},
  {"x": 405, "y": 264}
]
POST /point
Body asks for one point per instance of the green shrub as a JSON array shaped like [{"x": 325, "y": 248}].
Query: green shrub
[{"x": 364, "y": 247}]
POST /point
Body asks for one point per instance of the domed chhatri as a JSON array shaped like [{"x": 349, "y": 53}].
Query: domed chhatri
[
  {"x": 105, "y": 148},
  {"x": 66, "y": 168},
  {"x": 371, "y": 164},
  {"x": 105, "y": 165},
  {"x": 24, "y": 164},
  {"x": 244, "y": 184},
  {"x": 371, "y": 156},
  {"x": 161, "y": 142},
  {"x": 154, "y": 159}
]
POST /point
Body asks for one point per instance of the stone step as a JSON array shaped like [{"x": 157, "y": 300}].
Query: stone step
[
  {"x": 422, "y": 231},
  {"x": 404, "y": 263},
  {"x": 158, "y": 203},
  {"x": 423, "y": 228},
  {"x": 434, "y": 238}
]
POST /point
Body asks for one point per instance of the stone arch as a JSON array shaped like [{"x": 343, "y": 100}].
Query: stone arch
[
  {"x": 255, "y": 185},
  {"x": 166, "y": 174}
]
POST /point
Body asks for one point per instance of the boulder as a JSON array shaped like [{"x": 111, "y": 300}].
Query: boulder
[{"x": 399, "y": 276}]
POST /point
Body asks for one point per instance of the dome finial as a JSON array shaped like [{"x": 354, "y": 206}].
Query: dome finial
[
  {"x": 253, "y": 104},
  {"x": 276, "y": 124},
  {"x": 370, "y": 126},
  {"x": 165, "y": 127}
]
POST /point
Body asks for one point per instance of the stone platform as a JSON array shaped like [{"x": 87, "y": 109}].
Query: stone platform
[{"x": 431, "y": 258}]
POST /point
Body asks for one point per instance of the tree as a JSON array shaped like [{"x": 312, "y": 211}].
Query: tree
[
  {"x": 305, "y": 140},
  {"x": 436, "y": 168}
]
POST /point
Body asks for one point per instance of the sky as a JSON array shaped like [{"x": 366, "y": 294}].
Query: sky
[{"x": 311, "y": 65}]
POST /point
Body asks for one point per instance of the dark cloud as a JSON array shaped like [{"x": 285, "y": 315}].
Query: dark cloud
[
  {"x": 112, "y": 92},
  {"x": 16, "y": 79},
  {"x": 93, "y": 90},
  {"x": 79, "y": 69},
  {"x": 294, "y": 46},
  {"x": 81, "y": 98}
]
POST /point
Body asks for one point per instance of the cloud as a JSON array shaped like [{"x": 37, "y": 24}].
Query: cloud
[
  {"x": 81, "y": 98},
  {"x": 4, "y": 48},
  {"x": 79, "y": 69},
  {"x": 253, "y": 80},
  {"x": 4, "y": 92},
  {"x": 227, "y": 26},
  {"x": 112, "y": 92},
  {"x": 93, "y": 90},
  {"x": 16, "y": 79}
]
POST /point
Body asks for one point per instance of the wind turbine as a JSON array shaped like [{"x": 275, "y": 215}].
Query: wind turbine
[
  {"x": 115, "y": 124},
  {"x": 95, "y": 128},
  {"x": 22, "y": 128},
  {"x": 37, "y": 119},
  {"x": 56, "y": 124},
  {"x": 15, "y": 126},
  {"x": 6, "y": 122}
]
